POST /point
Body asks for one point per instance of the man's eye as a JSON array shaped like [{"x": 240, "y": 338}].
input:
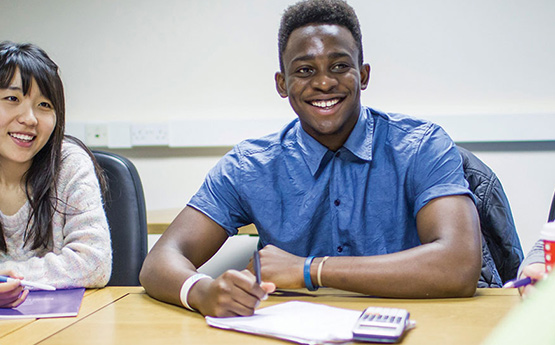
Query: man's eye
[
  {"x": 340, "y": 67},
  {"x": 304, "y": 71}
]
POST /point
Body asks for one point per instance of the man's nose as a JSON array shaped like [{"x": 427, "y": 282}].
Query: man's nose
[{"x": 324, "y": 81}]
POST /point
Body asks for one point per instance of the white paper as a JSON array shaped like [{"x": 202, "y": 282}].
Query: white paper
[{"x": 300, "y": 322}]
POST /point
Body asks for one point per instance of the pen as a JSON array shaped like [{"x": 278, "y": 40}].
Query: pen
[
  {"x": 516, "y": 283},
  {"x": 40, "y": 286},
  {"x": 256, "y": 265}
]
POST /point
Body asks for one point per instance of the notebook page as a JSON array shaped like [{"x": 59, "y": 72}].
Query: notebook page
[{"x": 301, "y": 322}]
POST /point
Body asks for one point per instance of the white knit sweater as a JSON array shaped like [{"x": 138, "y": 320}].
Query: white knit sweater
[{"x": 81, "y": 255}]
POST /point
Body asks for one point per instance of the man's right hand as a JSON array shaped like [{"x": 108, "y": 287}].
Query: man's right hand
[{"x": 233, "y": 293}]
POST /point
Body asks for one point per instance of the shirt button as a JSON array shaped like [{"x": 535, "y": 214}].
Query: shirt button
[
  {"x": 339, "y": 249},
  {"x": 337, "y": 154},
  {"x": 337, "y": 202}
]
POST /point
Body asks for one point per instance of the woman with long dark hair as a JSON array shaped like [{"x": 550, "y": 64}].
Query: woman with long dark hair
[{"x": 53, "y": 228}]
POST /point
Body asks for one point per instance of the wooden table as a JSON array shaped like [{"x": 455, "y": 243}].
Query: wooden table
[
  {"x": 32, "y": 331},
  {"x": 126, "y": 315},
  {"x": 159, "y": 220}
]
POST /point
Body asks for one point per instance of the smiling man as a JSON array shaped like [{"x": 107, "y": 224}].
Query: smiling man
[{"x": 345, "y": 196}]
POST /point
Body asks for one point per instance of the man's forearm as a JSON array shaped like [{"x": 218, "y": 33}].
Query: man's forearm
[
  {"x": 163, "y": 274},
  {"x": 419, "y": 272}
]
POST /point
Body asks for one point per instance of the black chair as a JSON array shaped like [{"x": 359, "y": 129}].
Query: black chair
[
  {"x": 552, "y": 211},
  {"x": 126, "y": 212},
  {"x": 501, "y": 248}
]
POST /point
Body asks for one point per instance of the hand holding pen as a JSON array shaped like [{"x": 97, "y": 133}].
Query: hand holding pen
[
  {"x": 516, "y": 283},
  {"x": 530, "y": 275},
  {"x": 12, "y": 293},
  {"x": 26, "y": 283}
]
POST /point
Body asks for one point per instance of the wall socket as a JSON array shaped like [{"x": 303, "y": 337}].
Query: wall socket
[
  {"x": 96, "y": 134},
  {"x": 150, "y": 134}
]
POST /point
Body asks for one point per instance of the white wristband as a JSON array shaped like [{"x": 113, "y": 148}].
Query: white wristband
[
  {"x": 319, "y": 273},
  {"x": 186, "y": 287}
]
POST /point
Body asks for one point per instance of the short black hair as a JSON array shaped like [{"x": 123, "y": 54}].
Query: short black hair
[{"x": 336, "y": 12}]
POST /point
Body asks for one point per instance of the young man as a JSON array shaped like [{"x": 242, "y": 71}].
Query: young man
[{"x": 378, "y": 199}]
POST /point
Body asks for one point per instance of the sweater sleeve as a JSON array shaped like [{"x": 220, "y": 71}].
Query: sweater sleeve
[
  {"x": 534, "y": 256},
  {"x": 81, "y": 255}
]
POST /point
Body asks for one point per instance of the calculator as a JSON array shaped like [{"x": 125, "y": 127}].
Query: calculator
[{"x": 381, "y": 325}]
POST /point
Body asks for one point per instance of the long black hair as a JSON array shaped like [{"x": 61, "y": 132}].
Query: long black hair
[{"x": 40, "y": 180}]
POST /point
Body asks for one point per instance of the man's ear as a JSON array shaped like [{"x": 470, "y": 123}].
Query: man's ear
[
  {"x": 364, "y": 76},
  {"x": 281, "y": 86}
]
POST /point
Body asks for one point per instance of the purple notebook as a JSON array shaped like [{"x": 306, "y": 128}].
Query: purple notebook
[{"x": 42, "y": 304}]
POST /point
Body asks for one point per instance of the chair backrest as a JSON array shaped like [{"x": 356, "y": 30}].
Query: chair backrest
[
  {"x": 501, "y": 248},
  {"x": 126, "y": 212},
  {"x": 552, "y": 211}
]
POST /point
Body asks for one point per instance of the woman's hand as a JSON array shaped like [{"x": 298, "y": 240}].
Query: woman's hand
[
  {"x": 12, "y": 293},
  {"x": 536, "y": 272}
]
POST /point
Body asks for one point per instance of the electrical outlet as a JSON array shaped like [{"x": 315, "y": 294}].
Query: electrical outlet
[
  {"x": 119, "y": 135},
  {"x": 96, "y": 134},
  {"x": 150, "y": 134}
]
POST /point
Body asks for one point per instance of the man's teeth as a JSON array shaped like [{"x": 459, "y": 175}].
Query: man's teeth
[
  {"x": 22, "y": 136},
  {"x": 325, "y": 104}
]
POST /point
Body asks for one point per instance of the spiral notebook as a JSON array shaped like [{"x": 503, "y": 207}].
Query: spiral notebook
[{"x": 44, "y": 304}]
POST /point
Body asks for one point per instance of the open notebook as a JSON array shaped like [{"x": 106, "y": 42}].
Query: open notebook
[
  {"x": 300, "y": 322},
  {"x": 43, "y": 304}
]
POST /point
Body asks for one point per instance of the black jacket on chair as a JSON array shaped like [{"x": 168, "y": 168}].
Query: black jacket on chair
[{"x": 501, "y": 249}]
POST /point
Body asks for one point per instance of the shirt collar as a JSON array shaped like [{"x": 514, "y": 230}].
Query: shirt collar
[
  {"x": 359, "y": 142},
  {"x": 313, "y": 151}
]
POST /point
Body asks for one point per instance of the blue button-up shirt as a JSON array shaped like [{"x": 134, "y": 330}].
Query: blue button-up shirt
[{"x": 360, "y": 200}]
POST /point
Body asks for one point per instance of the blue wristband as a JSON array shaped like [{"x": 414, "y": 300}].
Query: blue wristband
[{"x": 306, "y": 271}]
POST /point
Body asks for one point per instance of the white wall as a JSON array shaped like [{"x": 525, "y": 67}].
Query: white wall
[{"x": 144, "y": 61}]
